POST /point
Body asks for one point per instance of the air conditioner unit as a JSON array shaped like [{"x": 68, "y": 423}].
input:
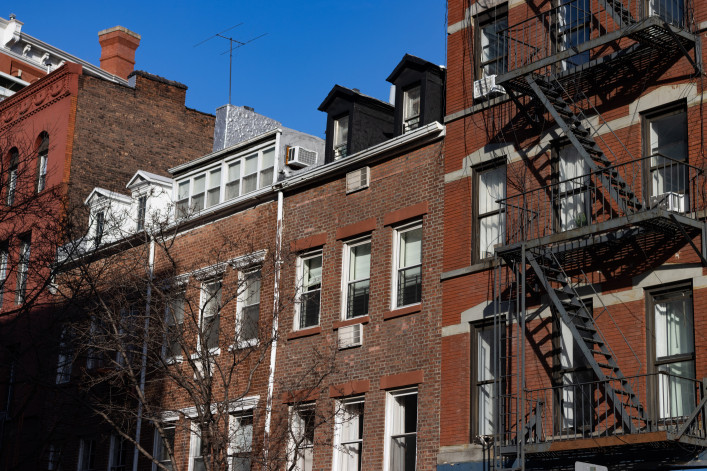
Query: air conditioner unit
[
  {"x": 350, "y": 336},
  {"x": 486, "y": 87},
  {"x": 300, "y": 157},
  {"x": 358, "y": 179},
  {"x": 670, "y": 201}
]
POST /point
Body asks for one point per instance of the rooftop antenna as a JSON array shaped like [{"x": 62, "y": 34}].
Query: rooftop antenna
[{"x": 230, "y": 51}]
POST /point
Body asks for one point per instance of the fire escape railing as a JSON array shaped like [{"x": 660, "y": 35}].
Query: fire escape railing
[
  {"x": 575, "y": 23},
  {"x": 573, "y": 411},
  {"x": 577, "y": 205}
]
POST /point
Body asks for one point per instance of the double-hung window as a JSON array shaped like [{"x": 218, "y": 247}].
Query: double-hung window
[
  {"x": 100, "y": 225},
  {"x": 674, "y": 350},
  {"x": 574, "y": 22},
  {"x": 213, "y": 195},
  {"x": 357, "y": 274},
  {"x": 197, "y": 449},
  {"x": 348, "y": 435},
  {"x": 573, "y": 202},
  {"x": 485, "y": 374},
  {"x": 401, "y": 430},
  {"x": 87, "y": 455},
  {"x": 42, "y": 160},
  {"x": 301, "y": 446},
  {"x": 240, "y": 440},
  {"x": 491, "y": 51},
  {"x": 249, "y": 313},
  {"x": 119, "y": 453},
  {"x": 671, "y": 11},
  {"x": 411, "y": 108},
  {"x": 210, "y": 315},
  {"x": 23, "y": 268},
  {"x": 12, "y": 176},
  {"x": 309, "y": 293},
  {"x": 491, "y": 221},
  {"x": 164, "y": 444},
  {"x": 666, "y": 144},
  {"x": 141, "y": 212},
  {"x": 341, "y": 137},
  {"x": 174, "y": 320},
  {"x": 4, "y": 257},
  {"x": 407, "y": 275},
  {"x": 65, "y": 356}
]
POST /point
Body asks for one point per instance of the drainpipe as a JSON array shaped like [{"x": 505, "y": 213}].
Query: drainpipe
[
  {"x": 276, "y": 301},
  {"x": 143, "y": 367}
]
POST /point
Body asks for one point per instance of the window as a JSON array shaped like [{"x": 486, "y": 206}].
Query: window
[
  {"x": 42, "y": 160},
  {"x": 214, "y": 193},
  {"x": 54, "y": 458},
  {"x": 411, "y": 108},
  {"x": 491, "y": 184},
  {"x": 141, "y": 210},
  {"x": 348, "y": 435},
  {"x": 309, "y": 291},
  {"x": 401, "y": 430},
  {"x": 267, "y": 167},
  {"x": 248, "y": 330},
  {"x": 164, "y": 444},
  {"x": 174, "y": 319},
  {"x": 23, "y": 268},
  {"x": 407, "y": 276},
  {"x": 666, "y": 144},
  {"x": 341, "y": 137},
  {"x": 119, "y": 453},
  {"x": 484, "y": 375},
  {"x": 87, "y": 455},
  {"x": 673, "y": 350},
  {"x": 491, "y": 52},
  {"x": 182, "y": 205},
  {"x": 12, "y": 176},
  {"x": 197, "y": 450},
  {"x": 301, "y": 447},
  {"x": 672, "y": 11},
  {"x": 210, "y": 315},
  {"x": 573, "y": 201},
  {"x": 573, "y": 29},
  {"x": 4, "y": 255},
  {"x": 241, "y": 441},
  {"x": 357, "y": 274},
  {"x": 100, "y": 227},
  {"x": 65, "y": 357}
]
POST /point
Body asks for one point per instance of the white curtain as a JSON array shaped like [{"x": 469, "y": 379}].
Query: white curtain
[
  {"x": 492, "y": 187},
  {"x": 573, "y": 208}
]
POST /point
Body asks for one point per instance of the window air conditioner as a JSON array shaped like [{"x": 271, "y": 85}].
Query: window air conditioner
[
  {"x": 300, "y": 157},
  {"x": 350, "y": 336},
  {"x": 670, "y": 201},
  {"x": 358, "y": 179},
  {"x": 486, "y": 87}
]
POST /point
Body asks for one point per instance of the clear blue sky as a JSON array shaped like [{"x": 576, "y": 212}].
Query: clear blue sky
[{"x": 309, "y": 46}]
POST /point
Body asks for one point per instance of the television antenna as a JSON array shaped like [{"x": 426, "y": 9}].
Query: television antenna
[{"x": 232, "y": 41}]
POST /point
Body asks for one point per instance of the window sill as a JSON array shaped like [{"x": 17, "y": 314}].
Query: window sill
[
  {"x": 403, "y": 311},
  {"x": 242, "y": 344},
  {"x": 174, "y": 360},
  {"x": 308, "y": 332},
  {"x": 212, "y": 352},
  {"x": 356, "y": 320}
]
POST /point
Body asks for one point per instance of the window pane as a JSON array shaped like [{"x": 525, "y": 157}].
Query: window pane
[
  {"x": 199, "y": 184},
  {"x": 673, "y": 327},
  {"x": 214, "y": 194},
  {"x": 268, "y": 158},
  {"x": 234, "y": 175},
  {"x": 668, "y": 135},
  {"x": 409, "y": 286},
  {"x": 360, "y": 262},
  {"x": 411, "y": 247},
  {"x": 492, "y": 187},
  {"x": 251, "y": 164},
  {"x": 341, "y": 131},
  {"x": 250, "y": 183},
  {"x": 490, "y": 233},
  {"x": 266, "y": 177}
]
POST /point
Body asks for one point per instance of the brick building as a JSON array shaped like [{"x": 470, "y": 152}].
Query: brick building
[{"x": 574, "y": 246}]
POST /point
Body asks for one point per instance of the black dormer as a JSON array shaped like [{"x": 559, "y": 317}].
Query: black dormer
[
  {"x": 419, "y": 93},
  {"x": 354, "y": 122}
]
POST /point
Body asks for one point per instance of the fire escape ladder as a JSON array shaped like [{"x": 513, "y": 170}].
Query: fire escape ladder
[
  {"x": 549, "y": 92},
  {"x": 616, "y": 9},
  {"x": 594, "y": 348}
]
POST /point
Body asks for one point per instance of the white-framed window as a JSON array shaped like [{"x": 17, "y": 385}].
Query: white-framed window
[
  {"x": 87, "y": 455},
  {"x": 213, "y": 195},
  {"x": 4, "y": 257},
  {"x": 240, "y": 440},
  {"x": 407, "y": 265},
  {"x": 12, "y": 176},
  {"x": 42, "y": 160},
  {"x": 484, "y": 372},
  {"x": 401, "y": 430},
  {"x": 164, "y": 443},
  {"x": 411, "y": 108},
  {"x": 210, "y": 316},
  {"x": 309, "y": 269},
  {"x": 119, "y": 455},
  {"x": 491, "y": 221},
  {"x": 100, "y": 224},
  {"x": 492, "y": 50},
  {"x": 341, "y": 137},
  {"x": 65, "y": 356},
  {"x": 174, "y": 321},
  {"x": 356, "y": 278},
  {"x": 247, "y": 325},
  {"x": 301, "y": 445},
  {"x": 141, "y": 212},
  {"x": 23, "y": 268},
  {"x": 196, "y": 449},
  {"x": 348, "y": 434},
  {"x": 666, "y": 143},
  {"x": 574, "y": 204},
  {"x": 574, "y": 27}
]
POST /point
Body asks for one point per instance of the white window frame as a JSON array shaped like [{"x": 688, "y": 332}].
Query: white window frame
[
  {"x": 194, "y": 444},
  {"x": 83, "y": 443},
  {"x": 12, "y": 177},
  {"x": 341, "y": 418},
  {"x": 573, "y": 196},
  {"x": 4, "y": 258},
  {"x": 345, "y": 281},
  {"x": 411, "y": 119},
  {"x": 42, "y": 172},
  {"x": 141, "y": 218},
  {"x": 484, "y": 377},
  {"x": 242, "y": 304},
  {"x": 341, "y": 149},
  {"x": 303, "y": 290},
  {"x": 397, "y": 244},
  {"x": 391, "y": 407},
  {"x": 235, "y": 429},
  {"x": 116, "y": 440},
  {"x": 157, "y": 442},
  {"x": 206, "y": 297},
  {"x": 23, "y": 267},
  {"x": 179, "y": 296},
  {"x": 497, "y": 211},
  {"x": 295, "y": 430}
]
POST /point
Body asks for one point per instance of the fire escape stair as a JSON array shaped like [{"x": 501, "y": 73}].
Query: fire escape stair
[{"x": 574, "y": 314}]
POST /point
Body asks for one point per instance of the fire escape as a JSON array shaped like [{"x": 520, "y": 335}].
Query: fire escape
[{"x": 556, "y": 62}]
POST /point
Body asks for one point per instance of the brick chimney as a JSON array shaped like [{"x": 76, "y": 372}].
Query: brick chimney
[{"x": 118, "y": 45}]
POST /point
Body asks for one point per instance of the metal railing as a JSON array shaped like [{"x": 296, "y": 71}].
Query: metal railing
[
  {"x": 573, "y": 411},
  {"x": 578, "y": 203},
  {"x": 576, "y": 22}
]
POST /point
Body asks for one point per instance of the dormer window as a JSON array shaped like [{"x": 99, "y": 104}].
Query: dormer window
[
  {"x": 100, "y": 225},
  {"x": 141, "y": 209},
  {"x": 411, "y": 109},
  {"x": 341, "y": 136}
]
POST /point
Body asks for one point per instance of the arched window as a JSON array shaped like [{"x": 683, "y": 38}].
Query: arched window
[
  {"x": 12, "y": 175},
  {"x": 42, "y": 160}
]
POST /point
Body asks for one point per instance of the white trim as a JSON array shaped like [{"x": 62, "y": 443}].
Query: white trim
[
  {"x": 301, "y": 258},
  {"x": 389, "y": 412},
  {"x": 345, "y": 265},
  {"x": 338, "y": 420}
]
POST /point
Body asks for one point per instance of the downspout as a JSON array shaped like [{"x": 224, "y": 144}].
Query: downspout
[
  {"x": 276, "y": 301},
  {"x": 143, "y": 366}
]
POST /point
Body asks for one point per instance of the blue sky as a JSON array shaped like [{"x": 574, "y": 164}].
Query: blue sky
[{"x": 309, "y": 46}]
